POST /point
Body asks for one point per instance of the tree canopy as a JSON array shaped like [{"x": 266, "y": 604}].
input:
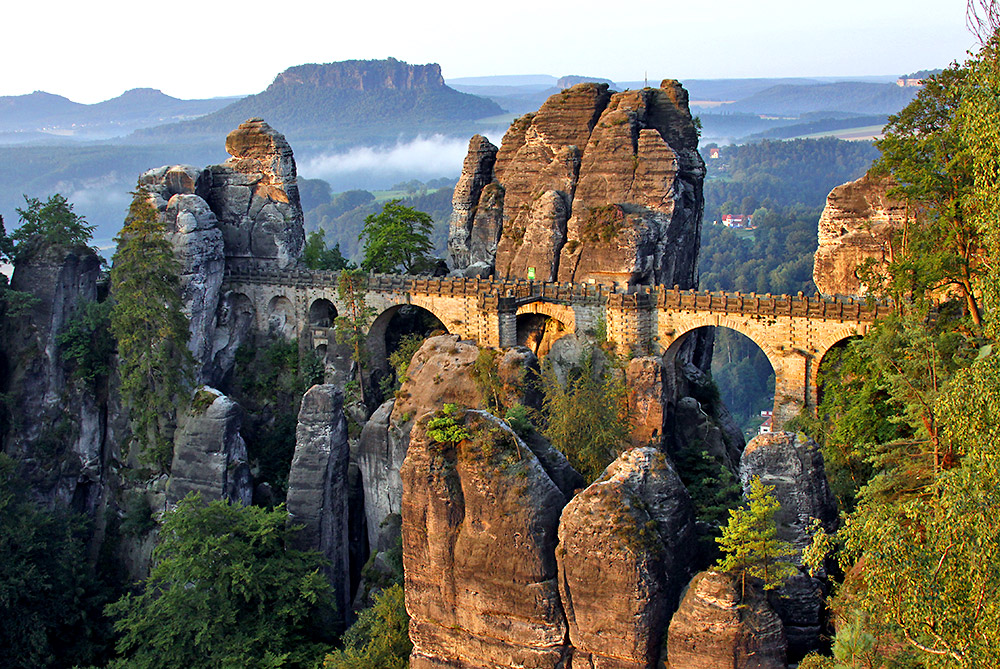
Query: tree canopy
[
  {"x": 397, "y": 239},
  {"x": 227, "y": 590},
  {"x": 52, "y": 221}
]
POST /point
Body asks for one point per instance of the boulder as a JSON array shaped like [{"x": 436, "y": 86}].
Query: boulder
[
  {"x": 793, "y": 464},
  {"x": 717, "y": 627},
  {"x": 626, "y": 545},
  {"x": 856, "y": 226},
  {"x": 255, "y": 196},
  {"x": 479, "y": 535},
  {"x": 210, "y": 456},
  {"x": 318, "y": 487},
  {"x": 55, "y": 426}
]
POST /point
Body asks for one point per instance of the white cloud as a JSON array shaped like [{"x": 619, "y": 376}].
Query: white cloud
[{"x": 433, "y": 156}]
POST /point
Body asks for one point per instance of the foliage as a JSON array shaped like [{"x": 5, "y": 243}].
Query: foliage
[
  {"x": 519, "y": 419},
  {"x": 316, "y": 256},
  {"x": 380, "y": 637},
  {"x": 151, "y": 330},
  {"x": 399, "y": 361},
  {"x": 443, "y": 428},
  {"x": 749, "y": 542},
  {"x": 227, "y": 590},
  {"x": 49, "y": 602},
  {"x": 924, "y": 153},
  {"x": 274, "y": 377},
  {"x": 352, "y": 326},
  {"x": 744, "y": 377},
  {"x": 52, "y": 222},
  {"x": 86, "y": 342},
  {"x": 714, "y": 490},
  {"x": 587, "y": 418},
  {"x": 486, "y": 375},
  {"x": 397, "y": 239}
]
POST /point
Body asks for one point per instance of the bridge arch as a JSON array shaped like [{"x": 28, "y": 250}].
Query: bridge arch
[
  {"x": 281, "y": 319},
  {"x": 540, "y": 324},
  {"x": 322, "y": 313},
  {"x": 382, "y": 338}
]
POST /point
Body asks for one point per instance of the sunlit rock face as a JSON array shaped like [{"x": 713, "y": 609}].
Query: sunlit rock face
[
  {"x": 594, "y": 185},
  {"x": 855, "y": 229},
  {"x": 255, "y": 196}
]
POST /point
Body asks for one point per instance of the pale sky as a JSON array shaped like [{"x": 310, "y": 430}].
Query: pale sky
[{"x": 92, "y": 51}]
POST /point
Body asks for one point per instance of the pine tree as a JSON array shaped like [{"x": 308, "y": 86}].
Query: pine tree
[
  {"x": 351, "y": 327},
  {"x": 151, "y": 330},
  {"x": 750, "y": 543}
]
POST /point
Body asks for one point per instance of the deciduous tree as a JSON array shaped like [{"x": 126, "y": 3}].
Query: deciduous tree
[{"x": 397, "y": 239}]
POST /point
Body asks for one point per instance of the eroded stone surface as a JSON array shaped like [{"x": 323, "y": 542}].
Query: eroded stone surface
[
  {"x": 318, "y": 487},
  {"x": 210, "y": 456},
  {"x": 716, "y": 628},
  {"x": 479, "y": 534},
  {"x": 856, "y": 226},
  {"x": 626, "y": 544}
]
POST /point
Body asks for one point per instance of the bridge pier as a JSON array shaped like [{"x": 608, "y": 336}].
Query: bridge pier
[{"x": 794, "y": 386}]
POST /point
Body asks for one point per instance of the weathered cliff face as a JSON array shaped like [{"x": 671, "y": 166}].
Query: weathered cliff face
[
  {"x": 255, "y": 196},
  {"x": 362, "y": 75},
  {"x": 58, "y": 427},
  {"x": 594, "y": 185},
  {"x": 479, "y": 536},
  {"x": 318, "y": 487},
  {"x": 716, "y": 627},
  {"x": 210, "y": 456},
  {"x": 193, "y": 230},
  {"x": 856, "y": 227},
  {"x": 793, "y": 464},
  {"x": 625, "y": 548}
]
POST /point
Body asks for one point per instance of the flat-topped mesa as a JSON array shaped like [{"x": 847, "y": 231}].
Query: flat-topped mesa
[
  {"x": 362, "y": 75},
  {"x": 856, "y": 227},
  {"x": 594, "y": 186},
  {"x": 255, "y": 196}
]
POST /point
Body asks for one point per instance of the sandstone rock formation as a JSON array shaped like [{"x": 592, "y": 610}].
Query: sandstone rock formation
[
  {"x": 716, "y": 628},
  {"x": 647, "y": 399},
  {"x": 255, "y": 196},
  {"x": 210, "y": 456},
  {"x": 193, "y": 230},
  {"x": 625, "y": 548},
  {"x": 593, "y": 185},
  {"x": 479, "y": 535},
  {"x": 793, "y": 464},
  {"x": 57, "y": 428},
  {"x": 318, "y": 487},
  {"x": 856, "y": 226}
]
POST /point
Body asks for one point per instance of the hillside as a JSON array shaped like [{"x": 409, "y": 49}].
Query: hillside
[
  {"x": 846, "y": 96},
  {"x": 349, "y": 99}
]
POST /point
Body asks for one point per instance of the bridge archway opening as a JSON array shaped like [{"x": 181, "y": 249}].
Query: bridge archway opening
[
  {"x": 322, "y": 313},
  {"x": 830, "y": 364},
  {"x": 281, "y": 317},
  {"x": 539, "y": 331},
  {"x": 399, "y": 328},
  {"x": 741, "y": 371}
]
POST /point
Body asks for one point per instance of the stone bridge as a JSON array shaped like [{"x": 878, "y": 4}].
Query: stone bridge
[{"x": 795, "y": 332}]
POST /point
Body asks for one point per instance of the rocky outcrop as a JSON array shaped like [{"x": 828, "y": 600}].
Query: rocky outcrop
[
  {"x": 596, "y": 185},
  {"x": 210, "y": 456},
  {"x": 193, "y": 231},
  {"x": 647, "y": 399},
  {"x": 715, "y": 627},
  {"x": 856, "y": 227},
  {"x": 625, "y": 550},
  {"x": 793, "y": 464},
  {"x": 474, "y": 211},
  {"x": 255, "y": 196},
  {"x": 362, "y": 75},
  {"x": 318, "y": 487},
  {"x": 479, "y": 537},
  {"x": 56, "y": 427}
]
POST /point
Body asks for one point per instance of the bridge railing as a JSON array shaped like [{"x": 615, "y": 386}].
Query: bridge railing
[{"x": 661, "y": 297}]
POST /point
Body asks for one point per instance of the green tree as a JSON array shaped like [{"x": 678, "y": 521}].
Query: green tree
[
  {"x": 49, "y": 602},
  {"x": 397, "y": 238},
  {"x": 587, "y": 416},
  {"x": 750, "y": 543},
  {"x": 924, "y": 152},
  {"x": 52, "y": 221},
  {"x": 150, "y": 329},
  {"x": 352, "y": 326},
  {"x": 86, "y": 341},
  {"x": 380, "y": 637},
  {"x": 316, "y": 256},
  {"x": 227, "y": 590}
]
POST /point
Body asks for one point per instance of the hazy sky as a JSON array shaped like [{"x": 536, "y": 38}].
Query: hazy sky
[{"x": 91, "y": 51}]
